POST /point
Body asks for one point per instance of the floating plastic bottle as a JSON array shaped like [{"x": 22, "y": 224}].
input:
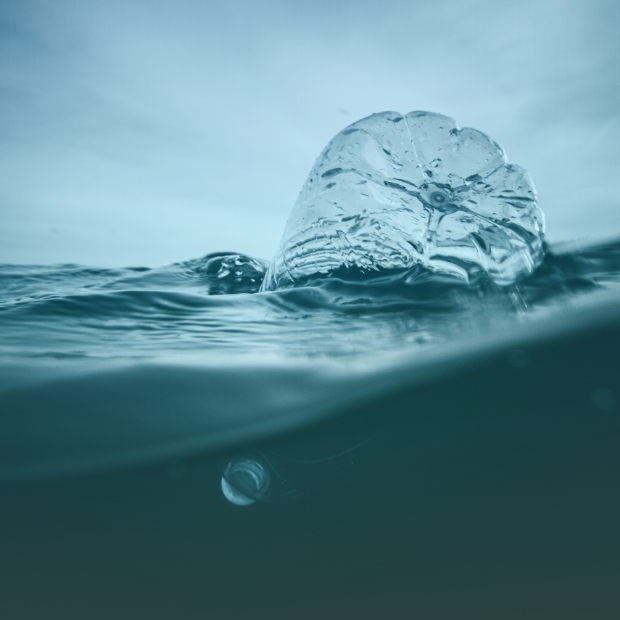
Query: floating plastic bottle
[{"x": 391, "y": 192}]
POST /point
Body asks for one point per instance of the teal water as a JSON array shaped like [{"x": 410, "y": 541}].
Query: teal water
[
  {"x": 106, "y": 367},
  {"x": 434, "y": 448},
  {"x": 412, "y": 411}
]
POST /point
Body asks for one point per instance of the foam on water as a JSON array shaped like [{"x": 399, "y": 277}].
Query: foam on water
[{"x": 392, "y": 191}]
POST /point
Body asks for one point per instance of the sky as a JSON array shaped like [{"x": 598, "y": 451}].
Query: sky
[{"x": 144, "y": 132}]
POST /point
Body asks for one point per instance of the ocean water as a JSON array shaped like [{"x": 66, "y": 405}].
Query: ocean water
[
  {"x": 195, "y": 356},
  {"x": 409, "y": 236},
  {"x": 412, "y": 443},
  {"x": 412, "y": 410}
]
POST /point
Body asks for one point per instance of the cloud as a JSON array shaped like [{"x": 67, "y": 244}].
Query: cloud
[{"x": 205, "y": 118}]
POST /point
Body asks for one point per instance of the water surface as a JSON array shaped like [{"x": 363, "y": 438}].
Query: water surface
[{"x": 104, "y": 367}]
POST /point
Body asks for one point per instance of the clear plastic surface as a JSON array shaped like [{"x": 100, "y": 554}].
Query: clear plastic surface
[{"x": 393, "y": 191}]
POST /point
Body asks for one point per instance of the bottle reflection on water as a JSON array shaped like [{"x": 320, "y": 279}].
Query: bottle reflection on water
[{"x": 285, "y": 472}]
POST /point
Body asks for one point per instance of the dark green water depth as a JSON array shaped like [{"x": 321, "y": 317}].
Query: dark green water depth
[{"x": 488, "y": 489}]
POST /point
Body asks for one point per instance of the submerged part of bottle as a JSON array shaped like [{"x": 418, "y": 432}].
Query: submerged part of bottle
[
  {"x": 244, "y": 481},
  {"x": 393, "y": 191},
  {"x": 287, "y": 471}
]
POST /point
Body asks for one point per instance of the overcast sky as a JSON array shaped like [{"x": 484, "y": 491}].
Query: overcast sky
[{"x": 144, "y": 132}]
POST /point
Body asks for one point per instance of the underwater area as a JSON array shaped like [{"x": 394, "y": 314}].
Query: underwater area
[{"x": 411, "y": 411}]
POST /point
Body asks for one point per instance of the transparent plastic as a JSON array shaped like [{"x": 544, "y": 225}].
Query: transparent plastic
[
  {"x": 393, "y": 191},
  {"x": 286, "y": 471},
  {"x": 245, "y": 480}
]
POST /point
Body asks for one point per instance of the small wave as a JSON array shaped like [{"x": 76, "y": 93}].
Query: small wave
[
  {"x": 204, "y": 304},
  {"x": 107, "y": 367}
]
